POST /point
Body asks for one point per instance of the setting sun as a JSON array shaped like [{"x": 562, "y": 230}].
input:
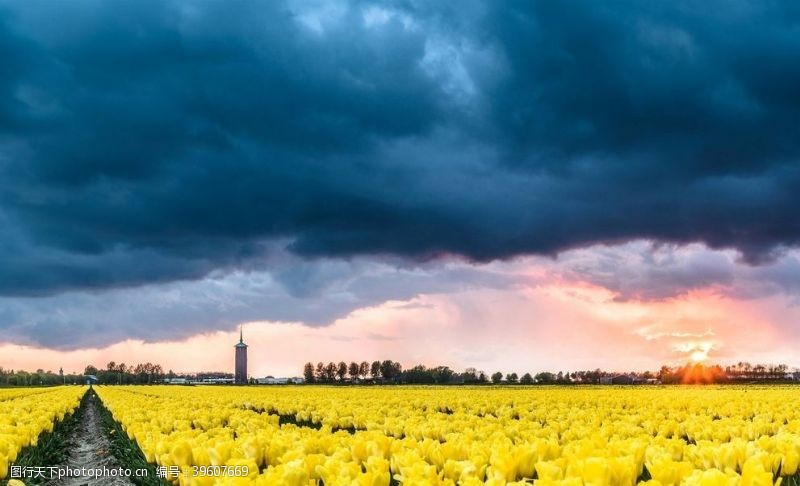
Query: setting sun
[{"x": 699, "y": 356}]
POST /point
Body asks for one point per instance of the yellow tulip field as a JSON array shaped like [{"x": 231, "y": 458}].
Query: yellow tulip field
[
  {"x": 308, "y": 435},
  {"x": 25, "y": 413}
]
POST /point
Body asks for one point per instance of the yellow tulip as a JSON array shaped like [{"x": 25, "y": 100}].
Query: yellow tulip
[
  {"x": 181, "y": 454},
  {"x": 790, "y": 463},
  {"x": 220, "y": 453},
  {"x": 753, "y": 474},
  {"x": 549, "y": 470}
]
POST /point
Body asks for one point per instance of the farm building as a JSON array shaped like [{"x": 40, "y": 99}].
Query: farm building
[
  {"x": 271, "y": 380},
  {"x": 617, "y": 380},
  {"x": 175, "y": 381}
]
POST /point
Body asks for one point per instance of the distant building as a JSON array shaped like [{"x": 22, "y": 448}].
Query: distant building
[
  {"x": 270, "y": 380},
  {"x": 240, "y": 370},
  {"x": 175, "y": 381},
  {"x": 622, "y": 380},
  {"x": 617, "y": 380},
  {"x": 213, "y": 381}
]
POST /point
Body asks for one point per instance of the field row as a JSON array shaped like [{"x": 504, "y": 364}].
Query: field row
[{"x": 26, "y": 413}]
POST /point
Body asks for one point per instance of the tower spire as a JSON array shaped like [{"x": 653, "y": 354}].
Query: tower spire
[{"x": 240, "y": 369}]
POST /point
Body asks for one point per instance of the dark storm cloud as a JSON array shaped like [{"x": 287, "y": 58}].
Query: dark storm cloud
[
  {"x": 313, "y": 293},
  {"x": 691, "y": 84},
  {"x": 147, "y": 142}
]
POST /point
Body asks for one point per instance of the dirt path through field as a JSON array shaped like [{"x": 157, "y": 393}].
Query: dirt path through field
[{"x": 91, "y": 450}]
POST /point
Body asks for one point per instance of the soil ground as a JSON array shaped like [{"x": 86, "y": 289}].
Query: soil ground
[{"x": 90, "y": 449}]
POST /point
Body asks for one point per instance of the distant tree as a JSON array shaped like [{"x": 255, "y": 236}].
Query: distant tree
[
  {"x": 23, "y": 378},
  {"x": 526, "y": 379},
  {"x": 442, "y": 374},
  {"x": 138, "y": 372},
  {"x": 149, "y": 371},
  {"x": 123, "y": 374},
  {"x": 497, "y": 377},
  {"x": 470, "y": 375},
  {"x": 375, "y": 369},
  {"x": 418, "y": 374},
  {"x": 545, "y": 377},
  {"x": 773, "y": 371},
  {"x": 158, "y": 372},
  {"x": 90, "y": 370},
  {"x": 363, "y": 370},
  {"x": 353, "y": 370},
  {"x": 319, "y": 372},
  {"x": 482, "y": 378},
  {"x": 330, "y": 372},
  {"x": 390, "y": 369},
  {"x": 341, "y": 370},
  {"x": 665, "y": 375},
  {"x": 111, "y": 375},
  {"x": 512, "y": 377},
  {"x": 308, "y": 372},
  {"x": 594, "y": 376}
]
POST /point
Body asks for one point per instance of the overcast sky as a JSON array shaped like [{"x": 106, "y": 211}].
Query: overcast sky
[{"x": 340, "y": 170}]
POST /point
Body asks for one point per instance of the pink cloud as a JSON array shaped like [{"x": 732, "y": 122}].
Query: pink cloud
[{"x": 552, "y": 324}]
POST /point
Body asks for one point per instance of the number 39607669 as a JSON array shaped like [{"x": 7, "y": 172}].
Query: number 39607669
[{"x": 218, "y": 471}]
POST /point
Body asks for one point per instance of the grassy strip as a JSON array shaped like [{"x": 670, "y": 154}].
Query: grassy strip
[
  {"x": 126, "y": 450},
  {"x": 293, "y": 420},
  {"x": 791, "y": 480},
  {"x": 52, "y": 448},
  {"x": 785, "y": 480}
]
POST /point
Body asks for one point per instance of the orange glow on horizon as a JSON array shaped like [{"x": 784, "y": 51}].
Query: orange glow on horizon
[{"x": 698, "y": 374}]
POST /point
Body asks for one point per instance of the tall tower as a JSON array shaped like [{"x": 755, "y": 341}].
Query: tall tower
[{"x": 240, "y": 371}]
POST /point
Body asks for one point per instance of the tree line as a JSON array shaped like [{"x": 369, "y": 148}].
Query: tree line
[
  {"x": 747, "y": 371},
  {"x": 389, "y": 371},
  {"x": 740, "y": 372},
  {"x": 39, "y": 377},
  {"x": 122, "y": 374}
]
